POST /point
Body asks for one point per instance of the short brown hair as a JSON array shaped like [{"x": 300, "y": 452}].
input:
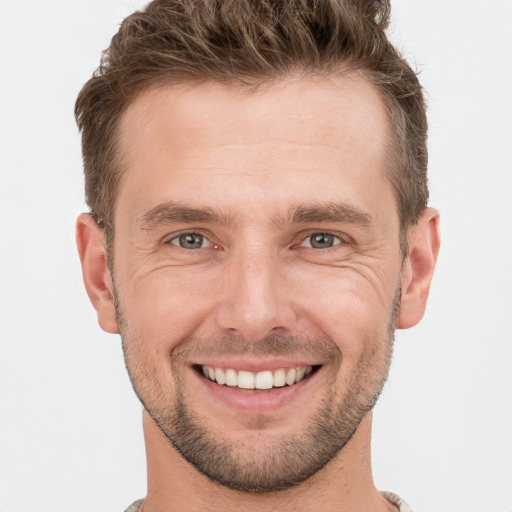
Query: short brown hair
[{"x": 248, "y": 42}]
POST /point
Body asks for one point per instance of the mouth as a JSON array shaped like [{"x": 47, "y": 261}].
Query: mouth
[{"x": 264, "y": 380}]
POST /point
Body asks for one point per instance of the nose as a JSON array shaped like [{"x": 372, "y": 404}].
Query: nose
[{"x": 254, "y": 301}]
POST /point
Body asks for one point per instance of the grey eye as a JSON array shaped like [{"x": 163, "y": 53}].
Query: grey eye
[
  {"x": 321, "y": 241},
  {"x": 189, "y": 241}
]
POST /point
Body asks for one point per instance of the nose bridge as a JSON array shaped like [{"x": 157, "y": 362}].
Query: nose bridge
[{"x": 255, "y": 301}]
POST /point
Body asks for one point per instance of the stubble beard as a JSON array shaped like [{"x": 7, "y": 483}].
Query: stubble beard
[{"x": 260, "y": 464}]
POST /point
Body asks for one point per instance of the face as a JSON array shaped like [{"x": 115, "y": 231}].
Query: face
[{"x": 257, "y": 271}]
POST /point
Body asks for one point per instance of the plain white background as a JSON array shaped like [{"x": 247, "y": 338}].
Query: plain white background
[{"x": 70, "y": 425}]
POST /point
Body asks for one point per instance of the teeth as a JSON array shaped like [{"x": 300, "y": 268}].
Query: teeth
[
  {"x": 245, "y": 380},
  {"x": 220, "y": 376},
  {"x": 231, "y": 377},
  {"x": 264, "y": 380},
  {"x": 260, "y": 380},
  {"x": 290, "y": 376},
  {"x": 279, "y": 378}
]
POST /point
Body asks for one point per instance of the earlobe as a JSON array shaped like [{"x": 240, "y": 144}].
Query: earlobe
[
  {"x": 96, "y": 274},
  {"x": 424, "y": 243}
]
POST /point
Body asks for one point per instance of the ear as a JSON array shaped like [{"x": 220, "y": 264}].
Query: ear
[
  {"x": 98, "y": 282},
  {"x": 424, "y": 242}
]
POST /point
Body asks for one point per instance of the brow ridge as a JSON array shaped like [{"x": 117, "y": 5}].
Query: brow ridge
[
  {"x": 330, "y": 212},
  {"x": 171, "y": 212}
]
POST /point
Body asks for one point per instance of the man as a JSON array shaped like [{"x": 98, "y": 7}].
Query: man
[{"x": 256, "y": 174}]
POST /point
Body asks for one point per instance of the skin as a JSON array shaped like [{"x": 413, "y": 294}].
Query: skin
[{"x": 254, "y": 159}]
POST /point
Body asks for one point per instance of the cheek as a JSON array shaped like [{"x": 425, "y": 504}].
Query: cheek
[
  {"x": 164, "y": 307},
  {"x": 347, "y": 307},
  {"x": 160, "y": 312},
  {"x": 355, "y": 314}
]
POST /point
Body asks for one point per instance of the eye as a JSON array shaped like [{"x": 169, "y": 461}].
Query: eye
[
  {"x": 190, "y": 241},
  {"x": 321, "y": 241}
]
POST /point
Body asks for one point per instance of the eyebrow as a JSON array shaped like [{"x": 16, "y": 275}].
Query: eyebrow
[
  {"x": 173, "y": 213},
  {"x": 330, "y": 212}
]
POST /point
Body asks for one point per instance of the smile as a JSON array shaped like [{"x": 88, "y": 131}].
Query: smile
[{"x": 262, "y": 380}]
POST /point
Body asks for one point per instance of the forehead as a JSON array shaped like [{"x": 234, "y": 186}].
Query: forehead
[{"x": 214, "y": 143}]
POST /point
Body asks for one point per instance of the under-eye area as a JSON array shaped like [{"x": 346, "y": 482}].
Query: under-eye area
[{"x": 263, "y": 380}]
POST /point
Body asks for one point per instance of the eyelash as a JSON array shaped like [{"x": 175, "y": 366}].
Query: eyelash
[
  {"x": 189, "y": 233},
  {"x": 339, "y": 236}
]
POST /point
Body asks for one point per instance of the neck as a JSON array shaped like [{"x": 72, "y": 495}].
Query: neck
[{"x": 344, "y": 484}]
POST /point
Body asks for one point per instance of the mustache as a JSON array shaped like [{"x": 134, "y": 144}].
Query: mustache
[{"x": 322, "y": 348}]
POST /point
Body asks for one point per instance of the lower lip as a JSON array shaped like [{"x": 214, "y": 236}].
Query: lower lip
[{"x": 258, "y": 401}]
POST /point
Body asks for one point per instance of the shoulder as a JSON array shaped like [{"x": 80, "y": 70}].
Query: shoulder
[
  {"x": 396, "y": 500},
  {"x": 135, "y": 506}
]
